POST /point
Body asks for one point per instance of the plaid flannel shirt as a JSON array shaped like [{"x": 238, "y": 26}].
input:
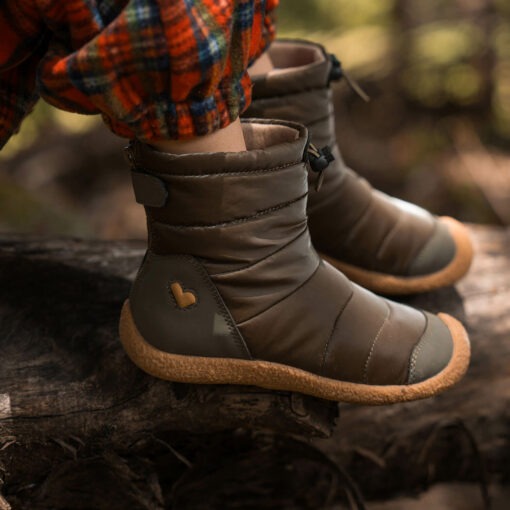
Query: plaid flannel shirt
[{"x": 154, "y": 69}]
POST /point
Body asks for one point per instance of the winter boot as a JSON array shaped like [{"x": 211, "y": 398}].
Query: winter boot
[
  {"x": 384, "y": 244},
  {"x": 231, "y": 290}
]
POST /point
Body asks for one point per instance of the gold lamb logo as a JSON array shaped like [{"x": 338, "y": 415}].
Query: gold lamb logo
[{"x": 183, "y": 298}]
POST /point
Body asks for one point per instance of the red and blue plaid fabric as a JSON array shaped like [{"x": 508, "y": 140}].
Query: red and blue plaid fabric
[{"x": 154, "y": 69}]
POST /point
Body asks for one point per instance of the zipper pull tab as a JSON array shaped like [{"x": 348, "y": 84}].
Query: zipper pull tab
[
  {"x": 338, "y": 72},
  {"x": 319, "y": 160}
]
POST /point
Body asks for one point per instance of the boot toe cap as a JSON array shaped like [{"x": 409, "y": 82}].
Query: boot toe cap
[
  {"x": 433, "y": 352},
  {"x": 437, "y": 253}
]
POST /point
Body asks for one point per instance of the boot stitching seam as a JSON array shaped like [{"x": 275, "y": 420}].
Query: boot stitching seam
[
  {"x": 416, "y": 352},
  {"x": 245, "y": 219},
  {"x": 421, "y": 248},
  {"x": 266, "y": 257},
  {"x": 326, "y": 347},
  {"x": 284, "y": 297},
  {"x": 356, "y": 224},
  {"x": 321, "y": 119},
  {"x": 388, "y": 237},
  {"x": 241, "y": 171},
  {"x": 234, "y": 331},
  {"x": 370, "y": 354}
]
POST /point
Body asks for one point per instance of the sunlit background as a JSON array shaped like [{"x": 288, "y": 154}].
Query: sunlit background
[{"x": 436, "y": 131}]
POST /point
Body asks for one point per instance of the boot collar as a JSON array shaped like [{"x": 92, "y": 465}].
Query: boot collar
[
  {"x": 301, "y": 66},
  {"x": 314, "y": 71},
  {"x": 270, "y": 144}
]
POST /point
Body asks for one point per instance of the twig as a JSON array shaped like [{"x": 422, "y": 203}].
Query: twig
[{"x": 178, "y": 455}]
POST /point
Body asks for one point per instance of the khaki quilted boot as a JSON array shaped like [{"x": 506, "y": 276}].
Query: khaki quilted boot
[
  {"x": 384, "y": 244},
  {"x": 232, "y": 292}
]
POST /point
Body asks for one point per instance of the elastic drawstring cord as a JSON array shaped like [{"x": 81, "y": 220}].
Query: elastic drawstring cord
[{"x": 338, "y": 72}]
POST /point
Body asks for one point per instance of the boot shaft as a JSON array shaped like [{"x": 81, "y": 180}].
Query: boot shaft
[
  {"x": 229, "y": 209},
  {"x": 231, "y": 285},
  {"x": 240, "y": 216},
  {"x": 299, "y": 90},
  {"x": 349, "y": 221}
]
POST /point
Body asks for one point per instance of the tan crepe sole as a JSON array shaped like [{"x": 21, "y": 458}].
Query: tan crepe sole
[
  {"x": 398, "y": 285},
  {"x": 203, "y": 370}
]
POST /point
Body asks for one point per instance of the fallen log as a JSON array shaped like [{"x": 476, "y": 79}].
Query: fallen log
[{"x": 76, "y": 416}]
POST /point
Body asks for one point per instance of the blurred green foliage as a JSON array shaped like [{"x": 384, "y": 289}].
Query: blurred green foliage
[
  {"x": 440, "y": 53},
  {"x": 303, "y": 16},
  {"x": 44, "y": 116}
]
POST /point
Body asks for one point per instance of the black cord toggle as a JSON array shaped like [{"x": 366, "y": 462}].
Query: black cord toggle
[
  {"x": 319, "y": 160},
  {"x": 338, "y": 72}
]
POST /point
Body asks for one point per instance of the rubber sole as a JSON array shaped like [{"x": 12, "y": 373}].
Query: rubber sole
[
  {"x": 275, "y": 376},
  {"x": 382, "y": 283}
]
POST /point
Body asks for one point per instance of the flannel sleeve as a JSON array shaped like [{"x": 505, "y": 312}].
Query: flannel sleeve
[{"x": 154, "y": 69}]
